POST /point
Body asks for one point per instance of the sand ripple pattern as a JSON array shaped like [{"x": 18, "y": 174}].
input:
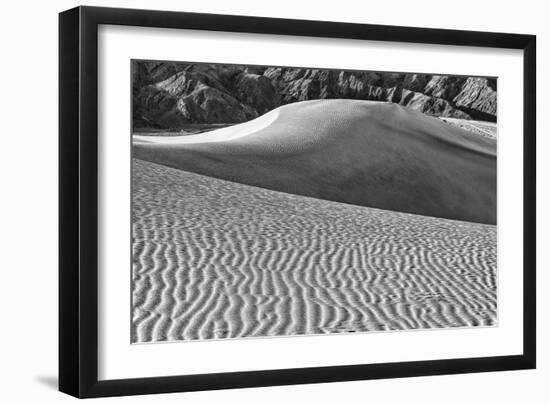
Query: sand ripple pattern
[{"x": 215, "y": 259}]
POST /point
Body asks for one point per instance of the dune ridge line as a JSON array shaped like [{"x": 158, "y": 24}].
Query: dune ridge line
[{"x": 218, "y": 135}]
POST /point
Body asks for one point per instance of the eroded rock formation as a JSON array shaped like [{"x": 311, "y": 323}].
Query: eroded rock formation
[{"x": 170, "y": 95}]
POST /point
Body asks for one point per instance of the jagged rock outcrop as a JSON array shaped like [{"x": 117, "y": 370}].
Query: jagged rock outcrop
[
  {"x": 198, "y": 94},
  {"x": 170, "y": 95},
  {"x": 478, "y": 96}
]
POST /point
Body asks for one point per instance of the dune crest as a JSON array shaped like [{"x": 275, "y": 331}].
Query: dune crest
[
  {"x": 358, "y": 152},
  {"x": 218, "y": 135}
]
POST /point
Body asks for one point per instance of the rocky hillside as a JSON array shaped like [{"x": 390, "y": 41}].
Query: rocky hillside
[{"x": 171, "y": 95}]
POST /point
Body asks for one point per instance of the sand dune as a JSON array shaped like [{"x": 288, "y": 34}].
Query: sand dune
[
  {"x": 359, "y": 152},
  {"x": 219, "y": 135},
  {"x": 218, "y": 259}
]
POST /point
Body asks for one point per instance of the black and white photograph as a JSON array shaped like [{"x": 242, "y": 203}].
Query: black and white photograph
[{"x": 273, "y": 201}]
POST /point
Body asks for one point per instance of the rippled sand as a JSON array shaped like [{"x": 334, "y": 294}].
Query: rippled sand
[{"x": 217, "y": 259}]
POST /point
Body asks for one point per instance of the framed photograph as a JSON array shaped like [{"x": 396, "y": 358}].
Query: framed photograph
[{"x": 251, "y": 201}]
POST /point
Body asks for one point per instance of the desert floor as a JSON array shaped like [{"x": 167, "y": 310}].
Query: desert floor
[{"x": 219, "y": 259}]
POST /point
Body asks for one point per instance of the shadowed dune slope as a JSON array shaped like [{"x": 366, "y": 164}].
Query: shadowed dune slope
[{"x": 359, "y": 152}]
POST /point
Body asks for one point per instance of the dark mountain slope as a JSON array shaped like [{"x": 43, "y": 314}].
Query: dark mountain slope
[{"x": 170, "y": 95}]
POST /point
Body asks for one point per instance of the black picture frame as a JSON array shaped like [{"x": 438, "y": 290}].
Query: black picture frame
[{"x": 78, "y": 201}]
